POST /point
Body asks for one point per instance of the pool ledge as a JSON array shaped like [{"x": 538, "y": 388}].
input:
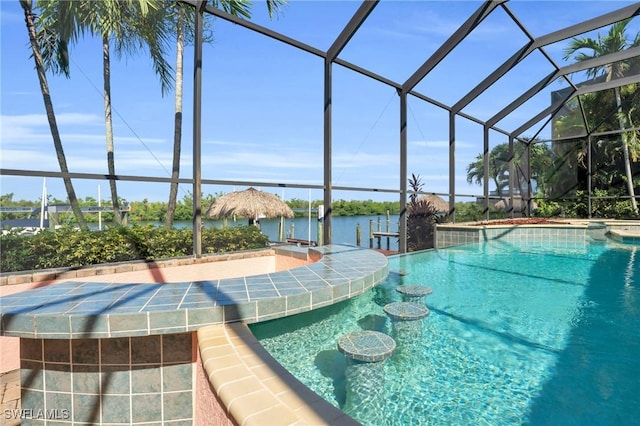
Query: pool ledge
[
  {"x": 253, "y": 387},
  {"x": 76, "y": 309},
  {"x": 625, "y": 236}
]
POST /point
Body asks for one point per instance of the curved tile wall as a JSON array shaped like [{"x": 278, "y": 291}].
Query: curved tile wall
[
  {"x": 93, "y": 351},
  {"x": 77, "y": 309}
]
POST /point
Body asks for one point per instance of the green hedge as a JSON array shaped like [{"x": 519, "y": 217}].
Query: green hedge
[{"x": 68, "y": 247}]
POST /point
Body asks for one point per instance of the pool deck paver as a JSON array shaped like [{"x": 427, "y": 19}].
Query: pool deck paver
[{"x": 10, "y": 397}]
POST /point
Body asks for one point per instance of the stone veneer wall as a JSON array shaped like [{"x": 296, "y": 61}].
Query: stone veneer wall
[{"x": 127, "y": 380}]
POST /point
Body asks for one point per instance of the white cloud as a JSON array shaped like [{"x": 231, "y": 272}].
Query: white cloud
[
  {"x": 24, "y": 159},
  {"x": 435, "y": 177},
  {"x": 272, "y": 177},
  {"x": 22, "y": 93},
  {"x": 129, "y": 140},
  {"x": 430, "y": 144},
  {"x": 235, "y": 144},
  {"x": 34, "y": 128},
  {"x": 261, "y": 159},
  {"x": 428, "y": 22},
  {"x": 17, "y": 128},
  {"x": 353, "y": 161},
  {"x": 440, "y": 144},
  {"x": 38, "y": 120},
  {"x": 432, "y": 23}
]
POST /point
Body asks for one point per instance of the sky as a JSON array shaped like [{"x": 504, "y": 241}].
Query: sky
[{"x": 263, "y": 101}]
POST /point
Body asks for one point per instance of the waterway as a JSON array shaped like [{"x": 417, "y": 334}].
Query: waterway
[{"x": 344, "y": 228}]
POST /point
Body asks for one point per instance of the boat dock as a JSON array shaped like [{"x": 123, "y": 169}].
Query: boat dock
[{"x": 379, "y": 235}]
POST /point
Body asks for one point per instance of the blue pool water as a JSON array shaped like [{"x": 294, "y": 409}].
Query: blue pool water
[{"x": 536, "y": 335}]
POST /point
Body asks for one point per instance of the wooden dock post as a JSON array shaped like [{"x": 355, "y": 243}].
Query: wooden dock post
[
  {"x": 370, "y": 233},
  {"x": 388, "y": 230},
  {"x": 358, "y": 235}
]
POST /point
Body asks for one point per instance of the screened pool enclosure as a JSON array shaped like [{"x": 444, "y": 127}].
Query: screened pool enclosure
[{"x": 579, "y": 146}]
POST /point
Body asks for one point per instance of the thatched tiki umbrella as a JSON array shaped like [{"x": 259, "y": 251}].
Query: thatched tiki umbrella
[
  {"x": 438, "y": 204},
  {"x": 250, "y": 203}
]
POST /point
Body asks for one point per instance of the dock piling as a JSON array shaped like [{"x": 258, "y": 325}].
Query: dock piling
[{"x": 370, "y": 233}]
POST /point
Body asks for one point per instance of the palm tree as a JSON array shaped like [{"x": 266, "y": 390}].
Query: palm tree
[
  {"x": 127, "y": 24},
  {"x": 615, "y": 41},
  {"x": 183, "y": 20},
  {"x": 35, "y": 42},
  {"x": 498, "y": 166},
  {"x": 540, "y": 158},
  {"x": 177, "y": 123},
  {"x": 538, "y": 155}
]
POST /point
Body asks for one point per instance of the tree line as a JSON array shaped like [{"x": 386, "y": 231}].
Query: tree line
[{"x": 156, "y": 211}]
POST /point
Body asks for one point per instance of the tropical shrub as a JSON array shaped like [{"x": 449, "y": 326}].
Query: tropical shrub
[
  {"x": 468, "y": 212},
  {"x": 69, "y": 247},
  {"x": 547, "y": 208},
  {"x": 421, "y": 219},
  {"x": 609, "y": 207}
]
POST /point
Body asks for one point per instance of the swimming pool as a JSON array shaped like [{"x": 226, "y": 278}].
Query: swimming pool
[{"x": 543, "y": 334}]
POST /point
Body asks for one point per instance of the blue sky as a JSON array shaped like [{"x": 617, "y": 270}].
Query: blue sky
[{"x": 263, "y": 100}]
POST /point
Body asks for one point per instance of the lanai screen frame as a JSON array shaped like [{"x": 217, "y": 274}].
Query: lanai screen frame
[{"x": 406, "y": 88}]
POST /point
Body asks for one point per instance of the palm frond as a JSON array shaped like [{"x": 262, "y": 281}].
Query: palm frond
[
  {"x": 239, "y": 8},
  {"x": 275, "y": 6}
]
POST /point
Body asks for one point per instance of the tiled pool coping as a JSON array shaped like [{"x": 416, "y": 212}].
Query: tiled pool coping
[{"x": 74, "y": 310}]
